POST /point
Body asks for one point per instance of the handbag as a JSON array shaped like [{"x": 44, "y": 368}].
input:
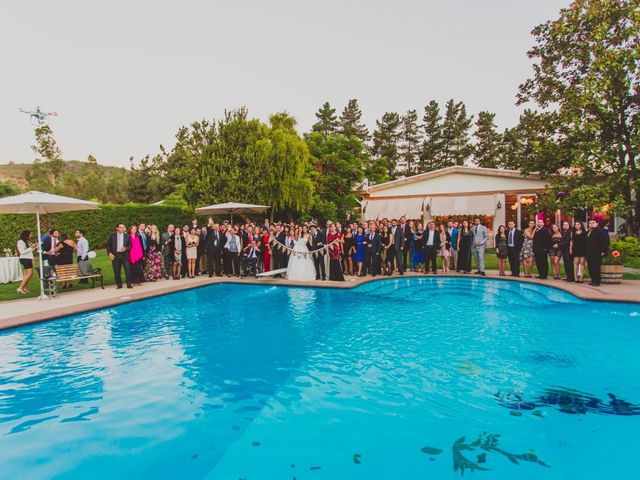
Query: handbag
[{"x": 84, "y": 268}]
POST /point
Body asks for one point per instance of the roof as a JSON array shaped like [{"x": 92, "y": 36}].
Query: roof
[{"x": 490, "y": 172}]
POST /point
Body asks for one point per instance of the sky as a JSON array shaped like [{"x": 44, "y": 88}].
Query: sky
[{"x": 123, "y": 76}]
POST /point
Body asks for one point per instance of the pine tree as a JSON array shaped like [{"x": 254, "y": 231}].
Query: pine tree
[
  {"x": 488, "y": 141},
  {"x": 431, "y": 149},
  {"x": 327, "y": 121},
  {"x": 462, "y": 148},
  {"x": 385, "y": 140},
  {"x": 447, "y": 155},
  {"x": 351, "y": 122},
  {"x": 409, "y": 142}
]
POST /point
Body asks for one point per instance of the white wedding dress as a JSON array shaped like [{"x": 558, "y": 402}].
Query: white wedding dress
[{"x": 301, "y": 268}]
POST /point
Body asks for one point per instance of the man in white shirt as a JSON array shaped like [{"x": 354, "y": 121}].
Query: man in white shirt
[
  {"x": 118, "y": 247},
  {"x": 431, "y": 245},
  {"x": 82, "y": 250}
]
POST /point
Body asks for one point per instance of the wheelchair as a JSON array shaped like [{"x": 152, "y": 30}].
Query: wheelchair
[{"x": 250, "y": 266}]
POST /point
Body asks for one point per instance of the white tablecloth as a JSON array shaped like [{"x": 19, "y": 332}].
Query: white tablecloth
[{"x": 10, "y": 270}]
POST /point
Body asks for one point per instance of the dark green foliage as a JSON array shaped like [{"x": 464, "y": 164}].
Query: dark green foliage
[
  {"x": 351, "y": 122},
  {"x": 97, "y": 224},
  {"x": 409, "y": 142},
  {"x": 385, "y": 141},
  {"x": 431, "y": 149},
  {"x": 327, "y": 121},
  {"x": 8, "y": 189},
  {"x": 456, "y": 147},
  {"x": 488, "y": 141}
]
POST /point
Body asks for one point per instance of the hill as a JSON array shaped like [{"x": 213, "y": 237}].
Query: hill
[{"x": 16, "y": 172}]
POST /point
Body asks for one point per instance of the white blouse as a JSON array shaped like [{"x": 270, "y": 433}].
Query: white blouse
[{"x": 25, "y": 250}]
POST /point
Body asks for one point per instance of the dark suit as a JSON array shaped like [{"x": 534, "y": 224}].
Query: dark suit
[
  {"x": 408, "y": 236},
  {"x": 597, "y": 246},
  {"x": 318, "y": 241},
  {"x": 279, "y": 257},
  {"x": 215, "y": 243},
  {"x": 372, "y": 252},
  {"x": 515, "y": 240},
  {"x": 398, "y": 248},
  {"x": 431, "y": 251},
  {"x": 121, "y": 259},
  {"x": 46, "y": 247},
  {"x": 567, "y": 258},
  {"x": 541, "y": 246}
]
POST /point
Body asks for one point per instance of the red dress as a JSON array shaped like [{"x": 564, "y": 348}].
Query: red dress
[{"x": 266, "y": 256}]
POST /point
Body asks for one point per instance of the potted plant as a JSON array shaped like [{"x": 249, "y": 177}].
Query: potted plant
[{"x": 613, "y": 263}]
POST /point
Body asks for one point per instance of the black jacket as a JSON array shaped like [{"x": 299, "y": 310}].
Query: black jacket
[
  {"x": 112, "y": 243},
  {"x": 541, "y": 241},
  {"x": 372, "y": 245},
  {"x": 565, "y": 243},
  {"x": 597, "y": 242},
  {"x": 518, "y": 239},
  {"x": 436, "y": 239},
  {"x": 213, "y": 247}
]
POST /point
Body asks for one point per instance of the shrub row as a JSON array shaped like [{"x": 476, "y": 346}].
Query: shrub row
[{"x": 97, "y": 224}]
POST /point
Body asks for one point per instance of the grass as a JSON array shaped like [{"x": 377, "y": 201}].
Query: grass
[{"x": 8, "y": 290}]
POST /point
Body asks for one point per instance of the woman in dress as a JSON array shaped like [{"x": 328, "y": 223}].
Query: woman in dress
[
  {"x": 445, "y": 247},
  {"x": 153, "y": 262},
  {"x": 65, "y": 250},
  {"x": 177, "y": 246},
  {"x": 136, "y": 255},
  {"x": 417, "y": 255},
  {"x": 358, "y": 256},
  {"x": 349, "y": 247},
  {"x": 232, "y": 249},
  {"x": 465, "y": 241},
  {"x": 25, "y": 249},
  {"x": 301, "y": 266},
  {"x": 191, "y": 242},
  {"x": 501, "y": 248},
  {"x": 526, "y": 254},
  {"x": 555, "y": 253},
  {"x": 266, "y": 250},
  {"x": 335, "y": 269},
  {"x": 578, "y": 249},
  {"x": 386, "y": 241}
]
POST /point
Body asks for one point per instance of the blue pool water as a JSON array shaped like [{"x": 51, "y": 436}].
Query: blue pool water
[{"x": 379, "y": 382}]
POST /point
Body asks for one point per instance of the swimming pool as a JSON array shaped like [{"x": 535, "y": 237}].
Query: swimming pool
[{"x": 399, "y": 378}]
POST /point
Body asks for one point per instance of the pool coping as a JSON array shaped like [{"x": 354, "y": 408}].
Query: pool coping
[{"x": 29, "y": 311}]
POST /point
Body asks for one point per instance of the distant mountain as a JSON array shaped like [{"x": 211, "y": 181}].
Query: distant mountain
[{"x": 16, "y": 172}]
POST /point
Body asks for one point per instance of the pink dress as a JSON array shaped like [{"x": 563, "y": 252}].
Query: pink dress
[{"x": 444, "y": 252}]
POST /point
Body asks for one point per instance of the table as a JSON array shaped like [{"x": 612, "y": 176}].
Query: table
[{"x": 10, "y": 270}]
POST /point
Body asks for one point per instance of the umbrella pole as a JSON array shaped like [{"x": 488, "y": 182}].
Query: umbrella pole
[{"x": 42, "y": 295}]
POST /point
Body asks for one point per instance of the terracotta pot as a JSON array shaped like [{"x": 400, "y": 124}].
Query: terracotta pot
[{"x": 612, "y": 273}]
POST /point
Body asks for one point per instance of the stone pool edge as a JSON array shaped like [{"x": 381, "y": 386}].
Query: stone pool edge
[{"x": 30, "y": 311}]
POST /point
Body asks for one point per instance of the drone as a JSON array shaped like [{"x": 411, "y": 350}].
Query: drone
[{"x": 37, "y": 117}]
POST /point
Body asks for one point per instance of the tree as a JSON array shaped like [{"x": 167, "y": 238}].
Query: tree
[
  {"x": 327, "y": 121},
  {"x": 409, "y": 142},
  {"x": 385, "y": 141},
  {"x": 338, "y": 163},
  {"x": 586, "y": 71},
  {"x": 8, "y": 189},
  {"x": 351, "y": 122},
  {"x": 488, "y": 141},
  {"x": 448, "y": 151},
  {"x": 48, "y": 166},
  {"x": 430, "y": 151}
]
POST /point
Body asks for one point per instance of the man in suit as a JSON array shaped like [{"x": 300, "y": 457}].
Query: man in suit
[
  {"x": 480, "y": 237},
  {"x": 597, "y": 247},
  {"x": 565, "y": 247},
  {"x": 541, "y": 246},
  {"x": 398, "y": 243},
  {"x": 49, "y": 244},
  {"x": 406, "y": 231},
  {"x": 452, "y": 230},
  {"x": 280, "y": 257},
  {"x": 118, "y": 246},
  {"x": 515, "y": 240},
  {"x": 317, "y": 242},
  {"x": 430, "y": 247},
  {"x": 215, "y": 244},
  {"x": 372, "y": 250}
]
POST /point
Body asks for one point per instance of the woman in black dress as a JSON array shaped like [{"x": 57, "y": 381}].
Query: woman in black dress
[
  {"x": 386, "y": 241},
  {"x": 501, "y": 248},
  {"x": 348, "y": 249},
  {"x": 578, "y": 249},
  {"x": 465, "y": 241}
]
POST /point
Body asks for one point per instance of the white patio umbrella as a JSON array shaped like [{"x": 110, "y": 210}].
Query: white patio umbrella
[
  {"x": 231, "y": 208},
  {"x": 42, "y": 203}
]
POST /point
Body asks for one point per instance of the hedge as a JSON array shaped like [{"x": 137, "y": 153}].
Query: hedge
[{"x": 97, "y": 224}]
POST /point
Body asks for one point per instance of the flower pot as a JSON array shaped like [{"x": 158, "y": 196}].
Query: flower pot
[{"x": 612, "y": 273}]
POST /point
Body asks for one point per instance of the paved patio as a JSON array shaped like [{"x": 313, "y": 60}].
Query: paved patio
[{"x": 23, "y": 312}]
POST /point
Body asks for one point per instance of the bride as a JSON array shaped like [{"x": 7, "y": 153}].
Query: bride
[{"x": 301, "y": 266}]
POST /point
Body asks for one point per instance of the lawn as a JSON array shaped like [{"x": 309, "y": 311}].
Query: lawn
[{"x": 8, "y": 291}]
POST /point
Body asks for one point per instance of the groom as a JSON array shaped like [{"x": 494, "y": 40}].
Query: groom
[{"x": 317, "y": 242}]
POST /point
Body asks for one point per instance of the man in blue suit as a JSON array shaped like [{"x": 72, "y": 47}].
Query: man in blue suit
[{"x": 372, "y": 250}]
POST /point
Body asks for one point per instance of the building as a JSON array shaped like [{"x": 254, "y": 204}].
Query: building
[{"x": 494, "y": 195}]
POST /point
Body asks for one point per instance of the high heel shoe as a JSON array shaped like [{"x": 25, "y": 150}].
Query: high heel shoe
[{"x": 19, "y": 290}]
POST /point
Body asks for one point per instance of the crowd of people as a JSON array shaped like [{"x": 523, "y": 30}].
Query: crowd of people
[{"x": 308, "y": 251}]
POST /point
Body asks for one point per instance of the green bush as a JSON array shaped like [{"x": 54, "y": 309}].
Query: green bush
[
  {"x": 629, "y": 248},
  {"x": 97, "y": 224}
]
